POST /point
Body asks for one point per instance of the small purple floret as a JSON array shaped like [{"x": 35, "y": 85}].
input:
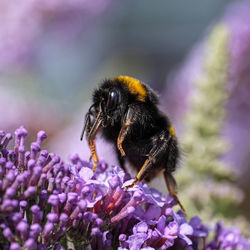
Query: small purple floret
[
  {"x": 15, "y": 246},
  {"x": 30, "y": 244},
  {"x": 41, "y": 136}
]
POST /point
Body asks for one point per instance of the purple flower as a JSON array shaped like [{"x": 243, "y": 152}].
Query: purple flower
[
  {"x": 45, "y": 201},
  {"x": 139, "y": 236},
  {"x": 199, "y": 230},
  {"x": 228, "y": 239}
]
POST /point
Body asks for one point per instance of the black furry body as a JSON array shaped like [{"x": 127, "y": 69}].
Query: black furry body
[{"x": 147, "y": 132}]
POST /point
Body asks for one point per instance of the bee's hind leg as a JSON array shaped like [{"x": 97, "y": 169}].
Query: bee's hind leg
[
  {"x": 121, "y": 160},
  {"x": 164, "y": 146},
  {"x": 154, "y": 157},
  {"x": 172, "y": 189}
]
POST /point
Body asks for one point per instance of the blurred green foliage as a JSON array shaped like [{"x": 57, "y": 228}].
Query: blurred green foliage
[{"x": 206, "y": 183}]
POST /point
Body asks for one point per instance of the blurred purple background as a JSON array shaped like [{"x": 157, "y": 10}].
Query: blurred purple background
[{"x": 54, "y": 53}]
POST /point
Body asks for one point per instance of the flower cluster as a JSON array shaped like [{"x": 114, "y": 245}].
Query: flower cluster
[
  {"x": 46, "y": 203},
  {"x": 228, "y": 239}
]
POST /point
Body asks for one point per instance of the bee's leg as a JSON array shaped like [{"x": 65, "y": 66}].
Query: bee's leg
[
  {"x": 87, "y": 128},
  {"x": 87, "y": 123},
  {"x": 156, "y": 153},
  {"x": 126, "y": 127},
  {"x": 95, "y": 128},
  {"x": 122, "y": 134},
  {"x": 172, "y": 189},
  {"x": 121, "y": 160},
  {"x": 93, "y": 154},
  {"x": 162, "y": 145},
  {"x": 93, "y": 149},
  {"x": 91, "y": 134},
  {"x": 141, "y": 174}
]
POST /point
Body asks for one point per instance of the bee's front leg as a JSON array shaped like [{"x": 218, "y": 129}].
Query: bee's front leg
[
  {"x": 122, "y": 135},
  {"x": 93, "y": 154},
  {"x": 126, "y": 128}
]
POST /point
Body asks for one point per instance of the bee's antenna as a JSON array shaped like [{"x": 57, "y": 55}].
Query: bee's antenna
[
  {"x": 94, "y": 129},
  {"x": 83, "y": 130},
  {"x": 87, "y": 120},
  {"x": 85, "y": 125}
]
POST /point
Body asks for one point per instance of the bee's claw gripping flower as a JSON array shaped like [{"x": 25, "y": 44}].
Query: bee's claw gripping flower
[{"x": 44, "y": 202}]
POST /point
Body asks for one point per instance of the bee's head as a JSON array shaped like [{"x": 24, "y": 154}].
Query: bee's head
[{"x": 111, "y": 100}]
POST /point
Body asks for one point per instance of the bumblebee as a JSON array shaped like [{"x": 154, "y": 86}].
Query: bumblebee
[{"x": 126, "y": 113}]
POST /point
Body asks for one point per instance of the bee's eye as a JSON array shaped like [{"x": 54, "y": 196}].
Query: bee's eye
[{"x": 112, "y": 99}]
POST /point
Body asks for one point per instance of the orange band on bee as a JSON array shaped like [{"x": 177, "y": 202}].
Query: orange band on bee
[{"x": 134, "y": 86}]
